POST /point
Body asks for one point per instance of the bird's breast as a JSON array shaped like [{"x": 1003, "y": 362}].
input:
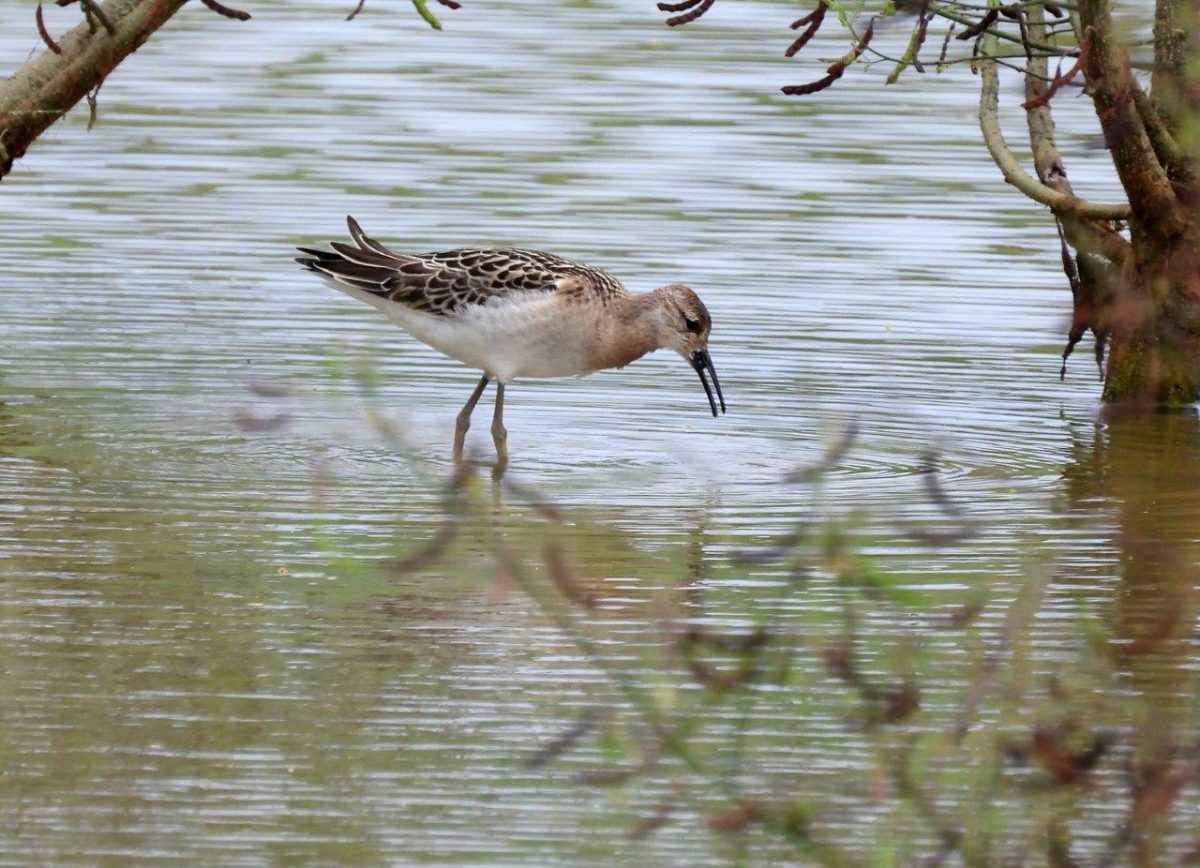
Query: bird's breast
[{"x": 536, "y": 337}]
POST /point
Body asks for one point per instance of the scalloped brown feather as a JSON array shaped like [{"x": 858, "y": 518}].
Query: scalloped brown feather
[{"x": 443, "y": 282}]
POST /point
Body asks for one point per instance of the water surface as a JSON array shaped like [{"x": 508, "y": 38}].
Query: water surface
[{"x": 206, "y": 656}]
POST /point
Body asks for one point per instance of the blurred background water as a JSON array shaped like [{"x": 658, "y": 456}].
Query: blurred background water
[{"x": 201, "y": 660}]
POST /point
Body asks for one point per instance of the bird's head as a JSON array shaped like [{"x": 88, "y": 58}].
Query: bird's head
[{"x": 683, "y": 325}]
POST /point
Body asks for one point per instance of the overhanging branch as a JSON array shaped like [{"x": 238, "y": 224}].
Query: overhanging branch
[
  {"x": 47, "y": 87},
  {"x": 1110, "y": 81},
  {"x": 989, "y": 123},
  {"x": 976, "y": 26},
  {"x": 1179, "y": 166},
  {"x": 1087, "y": 236}
]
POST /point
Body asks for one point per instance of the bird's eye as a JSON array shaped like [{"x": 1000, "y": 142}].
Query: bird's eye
[{"x": 692, "y": 325}]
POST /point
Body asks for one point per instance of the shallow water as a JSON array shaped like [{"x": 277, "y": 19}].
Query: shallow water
[{"x": 206, "y": 658}]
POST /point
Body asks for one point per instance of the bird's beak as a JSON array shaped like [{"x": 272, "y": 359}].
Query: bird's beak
[{"x": 704, "y": 366}]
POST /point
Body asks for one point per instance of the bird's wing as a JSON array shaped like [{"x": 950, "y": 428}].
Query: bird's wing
[{"x": 446, "y": 282}]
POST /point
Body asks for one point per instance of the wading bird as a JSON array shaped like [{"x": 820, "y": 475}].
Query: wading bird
[{"x": 518, "y": 313}]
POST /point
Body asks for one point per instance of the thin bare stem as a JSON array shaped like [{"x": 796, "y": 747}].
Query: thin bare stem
[{"x": 42, "y": 32}]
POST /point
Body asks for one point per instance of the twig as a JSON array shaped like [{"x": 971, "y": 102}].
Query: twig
[
  {"x": 93, "y": 8},
  {"x": 539, "y": 504},
  {"x": 909, "y": 788},
  {"x": 227, "y": 12},
  {"x": 659, "y": 818},
  {"x": 909, "y": 58},
  {"x": 566, "y": 740},
  {"x": 566, "y": 583},
  {"x": 1020, "y": 612},
  {"x": 423, "y": 11},
  {"x": 979, "y": 26},
  {"x": 1002, "y": 59},
  {"x": 701, "y": 6},
  {"x": 836, "y": 70},
  {"x": 945, "y": 46},
  {"x": 41, "y": 26},
  {"x": 922, "y": 31},
  {"x": 813, "y": 21},
  {"x": 948, "y": 13},
  {"x": 446, "y": 533},
  {"x": 357, "y": 9},
  {"x": 1014, "y": 12},
  {"x": 1060, "y": 80},
  {"x": 773, "y": 551},
  {"x": 91, "y": 101},
  {"x": 834, "y": 454},
  {"x": 431, "y": 551}
]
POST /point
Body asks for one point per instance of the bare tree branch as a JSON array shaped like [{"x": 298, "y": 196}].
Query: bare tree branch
[
  {"x": 835, "y": 69},
  {"x": 1173, "y": 19},
  {"x": 915, "y": 41},
  {"x": 1180, "y": 168},
  {"x": 94, "y": 8},
  {"x": 1111, "y": 82},
  {"x": 47, "y": 87},
  {"x": 989, "y": 123},
  {"x": 974, "y": 27},
  {"x": 811, "y": 24},
  {"x": 1061, "y": 79}
]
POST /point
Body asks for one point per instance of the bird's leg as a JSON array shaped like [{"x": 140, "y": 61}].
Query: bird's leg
[
  {"x": 464, "y": 417},
  {"x": 499, "y": 435}
]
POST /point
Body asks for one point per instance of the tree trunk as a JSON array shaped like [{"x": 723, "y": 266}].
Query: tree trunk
[
  {"x": 1154, "y": 321},
  {"x": 1147, "y": 302},
  {"x": 47, "y": 87}
]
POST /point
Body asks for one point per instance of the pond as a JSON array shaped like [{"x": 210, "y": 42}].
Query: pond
[{"x": 210, "y": 462}]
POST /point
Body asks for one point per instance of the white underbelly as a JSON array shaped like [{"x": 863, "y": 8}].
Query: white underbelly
[{"x": 537, "y": 336}]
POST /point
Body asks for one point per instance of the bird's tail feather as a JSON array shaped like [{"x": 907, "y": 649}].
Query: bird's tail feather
[{"x": 365, "y": 265}]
